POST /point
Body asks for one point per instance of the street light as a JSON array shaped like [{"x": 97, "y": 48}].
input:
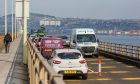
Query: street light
[
  {"x": 12, "y": 18},
  {"x": 5, "y": 17}
]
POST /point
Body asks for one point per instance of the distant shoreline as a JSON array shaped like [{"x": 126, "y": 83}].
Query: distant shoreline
[{"x": 117, "y": 34}]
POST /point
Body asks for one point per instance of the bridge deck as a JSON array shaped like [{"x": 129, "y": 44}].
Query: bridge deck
[
  {"x": 13, "y": 71},
  {"x": 113, "y": 72}
]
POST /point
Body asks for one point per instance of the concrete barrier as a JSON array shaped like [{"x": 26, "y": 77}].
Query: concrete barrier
[{"x": 40, "y": 71}]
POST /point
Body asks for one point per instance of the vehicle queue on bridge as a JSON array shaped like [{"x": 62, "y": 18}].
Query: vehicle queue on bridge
[{"x": 66, "y": 55}]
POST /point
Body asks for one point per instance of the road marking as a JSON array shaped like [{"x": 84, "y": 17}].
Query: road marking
[
  {"x": 106, "y": 67},
  {"x": 97, "y": 60},
  {"x": 118, "y": 72},
  {"x": 130, "y": 78},
  {"x": 97, "y": 63},
  {"x": 72, "y": 80},
  {"x": 119, "y": 62},
  {"x": 101, "y": 79},
  {"x": 112, "y": 72},
  {"x": 90, "y": 70},
  {"x": 130, "y": 66}
]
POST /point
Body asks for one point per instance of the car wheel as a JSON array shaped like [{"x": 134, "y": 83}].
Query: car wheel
[
  {"x": 84, "y": 76},
  {"x": 95, "y": 55}
]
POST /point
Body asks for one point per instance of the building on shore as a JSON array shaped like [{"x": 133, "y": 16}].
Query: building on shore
[{"x": 50, "y": 22}]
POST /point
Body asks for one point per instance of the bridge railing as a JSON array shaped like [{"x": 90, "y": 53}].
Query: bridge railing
[
  {"x": 40, "y": 71},
  {"x": 125, "y": 50}
]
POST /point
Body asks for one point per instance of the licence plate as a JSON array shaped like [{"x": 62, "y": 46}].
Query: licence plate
[
  {"x": 48, "y": 49},
  {"x": 88, "y": 53},
  {"x": 69, "y": 72}
]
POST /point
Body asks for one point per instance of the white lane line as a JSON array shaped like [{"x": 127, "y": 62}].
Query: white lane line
[
  {"x": 91, "y": 70},
  {"x": 88, "y": 60}
]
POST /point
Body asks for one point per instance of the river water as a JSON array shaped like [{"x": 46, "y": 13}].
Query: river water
[{"x": 127, "y": 40}]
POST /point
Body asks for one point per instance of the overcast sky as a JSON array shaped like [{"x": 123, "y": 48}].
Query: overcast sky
[{"x": 94, "y": 9}]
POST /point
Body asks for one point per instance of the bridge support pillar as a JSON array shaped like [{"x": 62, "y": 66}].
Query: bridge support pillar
[{"x": 25, "y": 33}]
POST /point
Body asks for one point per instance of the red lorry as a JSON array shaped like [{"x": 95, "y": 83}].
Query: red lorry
[{"x": 48, "y": 44}]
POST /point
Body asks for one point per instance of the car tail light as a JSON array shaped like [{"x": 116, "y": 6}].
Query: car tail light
[
  {"x": 82, "y": 61},
  {"x": 62, "y": 47},
  {"x": 56, "y": 62}
]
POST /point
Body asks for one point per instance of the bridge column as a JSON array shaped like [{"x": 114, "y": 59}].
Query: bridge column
[{"x": 25, "y": 33}]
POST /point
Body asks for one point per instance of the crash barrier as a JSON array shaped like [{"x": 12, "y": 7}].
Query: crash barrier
[
  {"x": 121, "y": 49},
  {"x": 40, "y": 71}
]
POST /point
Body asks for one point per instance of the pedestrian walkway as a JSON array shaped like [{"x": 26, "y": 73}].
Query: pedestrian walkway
[{"x": 12, "y": 69}]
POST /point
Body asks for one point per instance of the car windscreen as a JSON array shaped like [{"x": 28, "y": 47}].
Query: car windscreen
[
  {"x": 86, "y": 38},
  {"x": 63, "y": 37},
  {"x": 69, "y": 55}
]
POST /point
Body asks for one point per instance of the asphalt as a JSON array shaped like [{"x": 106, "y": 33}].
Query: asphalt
[
  {"x": 12, "y": 69},
  {"x": 113, "y": 72}
]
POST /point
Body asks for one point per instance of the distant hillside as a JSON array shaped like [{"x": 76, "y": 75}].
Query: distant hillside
[
  {"x": 99, "y": 24},
  {"x": 33, "y": 22},
  {"x": 68, "y": 23}
]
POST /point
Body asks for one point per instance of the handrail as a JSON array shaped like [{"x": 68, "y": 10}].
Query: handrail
[
  {"x": 126, "y": 50},
  {"x": 40, "y": 71}
]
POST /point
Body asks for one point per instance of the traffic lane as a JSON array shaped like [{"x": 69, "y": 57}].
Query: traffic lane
[
  {"x": 92, "y": 81},
  {"x": 109, "y": 65},
  {"x": 116, "y": 70},
  {"x": 113, "y": 72},
  {"x": 112, "y": 66}
]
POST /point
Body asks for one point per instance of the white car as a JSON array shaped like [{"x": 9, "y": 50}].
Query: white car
[{"x": 69, "y": 62}]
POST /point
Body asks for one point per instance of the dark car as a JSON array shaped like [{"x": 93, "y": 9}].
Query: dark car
[{"x": 65, "y": 39}]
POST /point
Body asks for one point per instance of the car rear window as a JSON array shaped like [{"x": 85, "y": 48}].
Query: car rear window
[
  {"x": 63, "y": 37},
  {"x": 72, "y": 55}
]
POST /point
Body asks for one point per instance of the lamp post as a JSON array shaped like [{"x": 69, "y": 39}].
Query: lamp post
[
  {"x": 5, "y": 17},
  {"x": 12, "y": 18},
  {"x": 15, "y": 27}
]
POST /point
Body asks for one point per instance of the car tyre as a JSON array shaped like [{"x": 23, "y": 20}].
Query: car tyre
[
  {"x": 84, "y": 77},
  {"x": 96, "y": 55}
]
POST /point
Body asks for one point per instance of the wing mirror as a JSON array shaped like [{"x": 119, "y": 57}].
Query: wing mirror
[
  {"x": 74, "y": 41},
  {"x": 98, "y": 40}
]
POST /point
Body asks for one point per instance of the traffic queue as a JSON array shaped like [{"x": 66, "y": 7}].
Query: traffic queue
[{"x": 65, "y": 55}]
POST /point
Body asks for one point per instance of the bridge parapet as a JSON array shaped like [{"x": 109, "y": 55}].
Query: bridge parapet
[
  {"x": 40, "y": 71},
  {"x": 126, "y": 50}
]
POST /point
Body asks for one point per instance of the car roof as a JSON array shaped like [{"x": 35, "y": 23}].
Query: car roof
[
  {"x": 51, "y": 38},
  {"x": 62, "y": 36},
  {"x": 32, "y": 35},
  {"x": 66, "y": 50}
]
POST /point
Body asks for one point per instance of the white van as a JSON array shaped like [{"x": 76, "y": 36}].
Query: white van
[{"x": 85, "y": 40}]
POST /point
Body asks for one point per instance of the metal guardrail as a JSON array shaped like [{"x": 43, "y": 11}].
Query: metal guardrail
[
  {"x": 40, "y": 71},
  {"x": 125, "y": 50}
]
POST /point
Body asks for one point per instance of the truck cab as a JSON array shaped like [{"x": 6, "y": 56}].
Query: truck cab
[{"x": 85, "y": 40}]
